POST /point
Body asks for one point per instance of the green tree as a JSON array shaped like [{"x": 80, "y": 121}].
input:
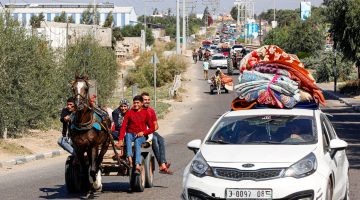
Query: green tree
[
  {"x": 70, "y": 19},
  {"x": 278, "y": 36},
  {"x": 135, "y": 31},
  {"x": 109, "y": 20},
  {"x": 60, "y": 18},
  {"x": 87, "y": 16},
  {"x": 303, "y": 38},
  {"x": 36, "y": 20},
  {"x": 155, "y": 12},
  {"x": 323, "y": 62},
  {"x": 283, "y": 17},
  {"x": 234, "y": 12},
  {"x": 206, "y": 14},
  {"x": 169, "y": 12},
  {"x": 86, "y": 56},
  {"x": 345, "y": 27},
  {"x": 27, "y": 90}
]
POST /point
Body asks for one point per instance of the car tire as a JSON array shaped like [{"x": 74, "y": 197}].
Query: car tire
[{"x": 329, "y": 191}]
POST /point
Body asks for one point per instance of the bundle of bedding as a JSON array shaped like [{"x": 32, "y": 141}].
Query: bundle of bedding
[{"x": 269, "y": 76}]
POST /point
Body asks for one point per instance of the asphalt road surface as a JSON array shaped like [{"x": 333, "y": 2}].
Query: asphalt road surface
[{"x": 45, "y": 179}]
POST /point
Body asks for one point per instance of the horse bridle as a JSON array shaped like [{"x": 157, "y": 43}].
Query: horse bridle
[{"x": 84, "y": 99}]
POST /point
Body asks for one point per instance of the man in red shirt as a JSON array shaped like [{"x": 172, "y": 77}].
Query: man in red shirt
[
  {"x": 158, "y": 142},
  {"x": 135, "y": 125}
]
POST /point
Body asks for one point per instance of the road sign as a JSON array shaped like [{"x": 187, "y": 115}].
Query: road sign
[{"x": 154, "y": 59}]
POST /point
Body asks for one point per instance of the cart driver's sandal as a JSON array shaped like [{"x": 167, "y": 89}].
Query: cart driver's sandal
[{"x": 165, "y": 171}]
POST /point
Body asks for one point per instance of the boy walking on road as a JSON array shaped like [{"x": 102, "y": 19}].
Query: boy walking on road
[{"x": 206, "y": 69}]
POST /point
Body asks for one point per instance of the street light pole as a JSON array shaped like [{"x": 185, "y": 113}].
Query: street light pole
[
  {"x": 178, "y": 51},
  {"x": 184, "y": 28}
]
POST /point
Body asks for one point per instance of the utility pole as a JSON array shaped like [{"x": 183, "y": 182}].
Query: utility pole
[
  {"x": 94, "y": 19},
  {"x": 184, "y": 27},
  {"x": 178, "y": 51},
  {"x": 238, "y": 14}
]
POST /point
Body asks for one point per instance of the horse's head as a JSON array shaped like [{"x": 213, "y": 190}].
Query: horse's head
[{"x": 80, "y": 88}]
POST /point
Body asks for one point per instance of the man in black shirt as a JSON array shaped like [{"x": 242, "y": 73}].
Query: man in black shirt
[{"x": 65, "y": 118}]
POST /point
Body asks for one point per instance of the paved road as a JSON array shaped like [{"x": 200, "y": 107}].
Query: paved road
[{"x": 45, "y": 179}]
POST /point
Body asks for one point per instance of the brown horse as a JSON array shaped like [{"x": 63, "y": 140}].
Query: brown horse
[{"x": 86, "y": 139}]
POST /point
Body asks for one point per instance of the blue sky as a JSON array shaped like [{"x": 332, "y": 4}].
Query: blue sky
[{"x": 225, "y": 5}]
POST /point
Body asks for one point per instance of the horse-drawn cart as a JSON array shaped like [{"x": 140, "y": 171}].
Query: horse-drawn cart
[{"x": 76, "y": 181}]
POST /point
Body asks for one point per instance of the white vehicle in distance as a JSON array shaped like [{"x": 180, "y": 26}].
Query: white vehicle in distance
[
  {"x": 291, "y": 154},
  {"x": 218, "y": 60},
  {"x": 237, "y": 47}
]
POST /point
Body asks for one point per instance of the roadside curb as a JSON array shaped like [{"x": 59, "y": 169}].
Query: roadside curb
[
  {"x": 343, "y": 100},
  {"x": 30, "y": 158}
]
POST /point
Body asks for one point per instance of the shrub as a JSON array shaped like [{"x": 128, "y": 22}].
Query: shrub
[
  {"x": 322, "y": 63},
  {"x": 143, "y": 75},
  {"x": 351, "y": 88}
]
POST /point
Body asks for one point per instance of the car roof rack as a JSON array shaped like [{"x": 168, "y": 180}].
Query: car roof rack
[{"x": 301, "y": 105}]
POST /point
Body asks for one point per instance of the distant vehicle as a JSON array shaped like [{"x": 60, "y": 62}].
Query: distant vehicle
[
  {"x": 237, "y": 47},
  {"x": 218, "y": 60}
]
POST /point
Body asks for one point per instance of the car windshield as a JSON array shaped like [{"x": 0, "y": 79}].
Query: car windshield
[
  {"x": 218, "y": 58},
  {"x": 237, "y": 46},
  {"x": 267, "y": 129}
]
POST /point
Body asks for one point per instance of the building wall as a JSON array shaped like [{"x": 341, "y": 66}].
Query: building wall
[
  {"x": 124, "y": 15},
  {"x": 128, "y": 47},
  {"x": 55, "y": 33}
]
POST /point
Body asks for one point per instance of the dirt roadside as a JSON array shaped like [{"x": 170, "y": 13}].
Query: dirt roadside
[{"x": 45, "y": 141}]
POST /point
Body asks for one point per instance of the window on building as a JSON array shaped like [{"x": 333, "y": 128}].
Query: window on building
[
  {"x": 16, "y": 17},
  {"x": 23, "y": 21},
  {"x": 115, "y": 19},
  {"x": 48, "y": 17},
  {"x": 122, "y": 19}
]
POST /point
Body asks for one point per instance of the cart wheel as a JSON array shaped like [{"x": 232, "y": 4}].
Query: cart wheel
[
  {"x": 76, "y": 180},
  {"x": 137, "y": 181},
  {"x": 230, "y": 68},
  {"x": 149, "y": 170},
  {"x": 211, "y": 90},
  {"x": 72, "y": 176}
]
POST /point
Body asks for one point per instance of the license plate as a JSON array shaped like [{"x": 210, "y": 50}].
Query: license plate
[{"x": 231, "y": 193}]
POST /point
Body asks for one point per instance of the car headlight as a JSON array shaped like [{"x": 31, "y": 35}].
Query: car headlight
[
  {"x": 199, "y": 166},
  {"x": 303, "y": 167}
]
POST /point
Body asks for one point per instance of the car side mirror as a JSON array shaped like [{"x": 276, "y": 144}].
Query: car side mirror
[
  {"x": 194, "y": 145},
  {"x": 337, "y": 145}
]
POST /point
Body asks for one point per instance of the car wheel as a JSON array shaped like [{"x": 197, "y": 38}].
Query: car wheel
[{"x": 329, "y": 191}]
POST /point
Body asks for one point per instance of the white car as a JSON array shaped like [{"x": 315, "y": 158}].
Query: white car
[
  {"x": 218, "y": 60},
  {"x": 236, "y": 47},
  {"x": 269, "y": 154}
]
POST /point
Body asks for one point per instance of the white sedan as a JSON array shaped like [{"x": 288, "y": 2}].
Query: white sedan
[
  {"x": 268, "y": 153},
  {"x": 218, "y": 60}
]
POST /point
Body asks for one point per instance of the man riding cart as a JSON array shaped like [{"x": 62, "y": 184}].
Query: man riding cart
[{"x": 219, "y": 81}]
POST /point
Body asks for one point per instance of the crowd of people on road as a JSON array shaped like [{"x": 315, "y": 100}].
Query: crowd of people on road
[{"x": 132, "y": 125}]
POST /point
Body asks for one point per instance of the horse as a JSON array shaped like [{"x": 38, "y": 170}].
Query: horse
[{"x": 86, "y": 139}]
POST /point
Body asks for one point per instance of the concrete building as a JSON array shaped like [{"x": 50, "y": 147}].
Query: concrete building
[
  {"x": 55, "y": 33},
  {"x": 23, "y": 12},
  {"x": 128, "y": 47}
]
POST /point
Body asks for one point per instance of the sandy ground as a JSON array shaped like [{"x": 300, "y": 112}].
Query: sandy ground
[{"x": 46, "y": 141}]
